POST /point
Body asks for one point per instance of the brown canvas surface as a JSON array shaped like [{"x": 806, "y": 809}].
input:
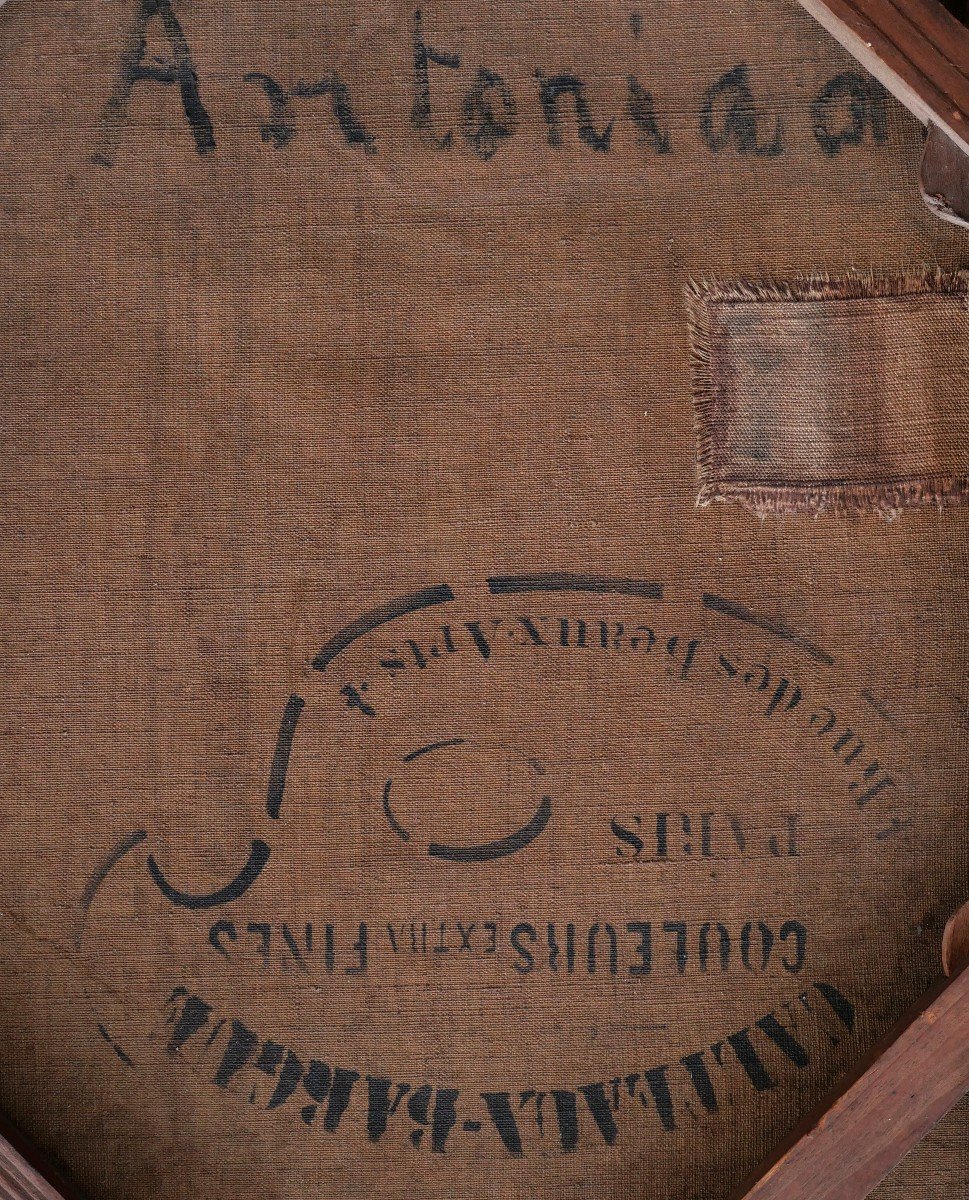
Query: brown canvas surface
[{"x": 407, "y": 790}]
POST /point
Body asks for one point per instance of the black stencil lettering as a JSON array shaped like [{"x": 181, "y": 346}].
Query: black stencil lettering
[
  {"x": 567, "y": 1115},
  {"x": 662, "y": 835},
  {"x": 498, "y": 1105},
  {"x": 601, "y": 1109},
  {"x": 270, "y": 1059},
  {"x": 360, "y": 945},
  {"x": 534, "y": 635},
  {"x": 766, "y": 938},
  {"x": 293, "y": 946},
  {"x": 215, "y": 936},
  {"x": 679, "y": 928},
  {"x": 263, "y": 932},
  {"x": 380, "y": 1107},
  {"x": 723, "y": 941},
  {"x": 874, "y": 786},
  {"x": 287, "y": 1082},
  {"x": 527, "y": 963},
  {"x": 443, "y": 1118},
  {"x": 354, "y": 697},
  {"x": 795, "y": 930},
  {"x": 659, "y": 1090},
  {"x": 610, "y": 934},
  {"x": 783, "y": 1040},
  {"x": 848, "y": 746},
  {"x": 780, "y": 692},
  {"x": 316, "y": 1084},
  {"x": 419, "y": 1111},
  {"x": 192, "y": 1016},
  {"x": 738, "y": 833},
  {"x": 553, "y": 947},
  {"x": 644, "y": 947},
  {"x": 480, "y": 641},
  {"x": 628, "y": 837},
  {"x": 823, "y": 721},
  {"x": 340, "y": 1092},
  {"x": 242, "y": 1043},
  {"x": 700, "y": 1078},
  {"x": 689, "y": 653},
  {"x": 840, "y": 1005},
  {"x": 750, "y": 1061}
]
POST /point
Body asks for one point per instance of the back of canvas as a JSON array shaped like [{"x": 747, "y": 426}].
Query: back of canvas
[{"x": 407, "y": 789}]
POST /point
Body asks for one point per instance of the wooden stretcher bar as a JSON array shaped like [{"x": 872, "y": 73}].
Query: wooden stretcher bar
[
  {"x": 23, "y": 1173},
  {"x": 892, "y": 1100},
  {"x": 916, "y": 48},
  {"x": 906, "y": 1084}
]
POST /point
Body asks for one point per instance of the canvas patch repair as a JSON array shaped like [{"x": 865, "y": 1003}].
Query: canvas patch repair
[{"x": 845, "y": 395}]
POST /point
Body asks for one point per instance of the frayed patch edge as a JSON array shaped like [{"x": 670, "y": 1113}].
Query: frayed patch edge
[
  {"x": 819, "y": 285},
  {"x": 884, "y": 498}
]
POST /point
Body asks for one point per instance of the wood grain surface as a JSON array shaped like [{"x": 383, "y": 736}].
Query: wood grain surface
[
  {"x": 908, "y": 1082},
  {"x": 916, "y": 48},
  {"x": 23, "y": 1174},
  {"x": 944, "y": 177},
  {"x": 955, "y": 942}
]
